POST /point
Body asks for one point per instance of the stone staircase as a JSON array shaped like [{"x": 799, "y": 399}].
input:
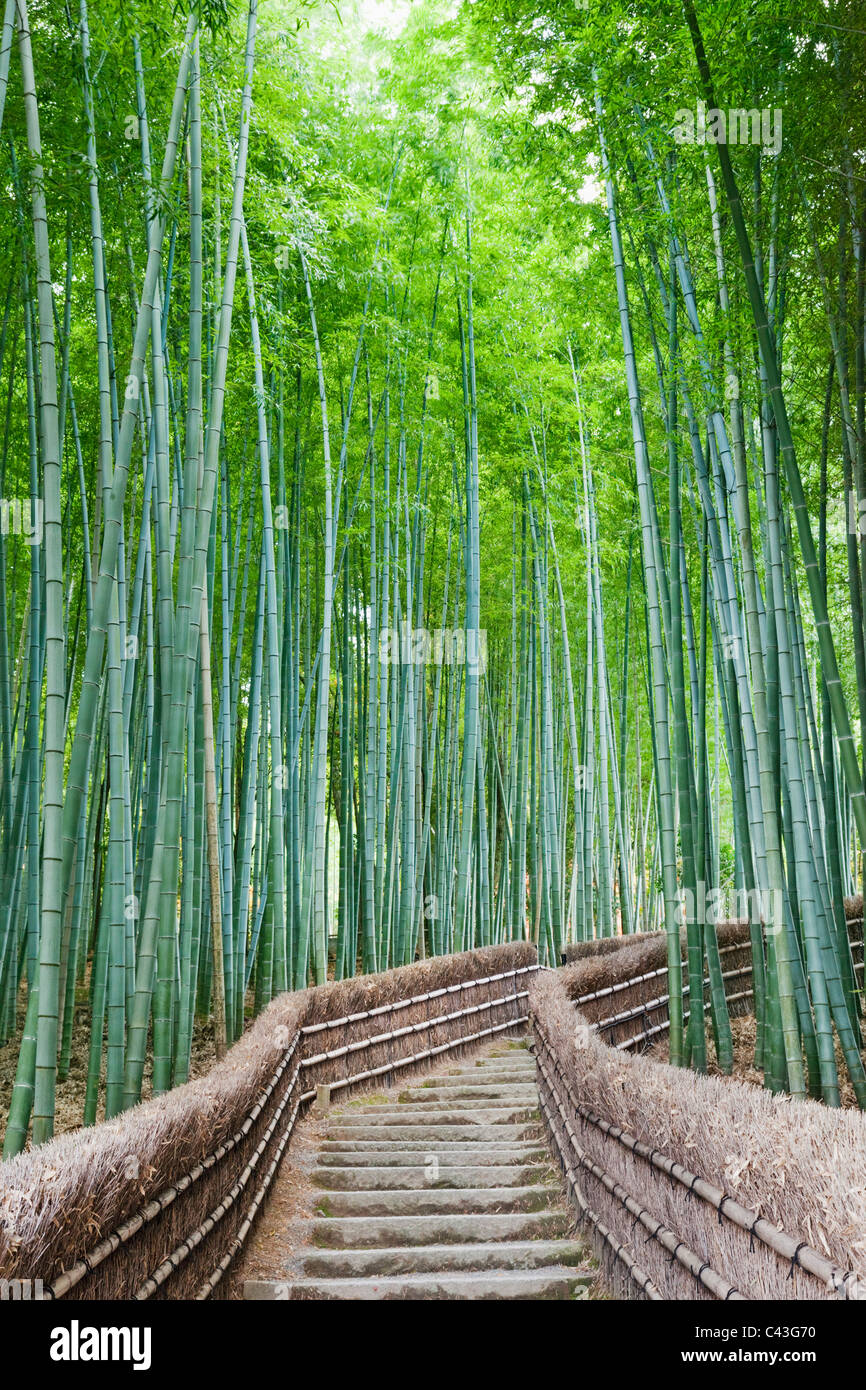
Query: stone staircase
[{"x": 445, "y": 1190}]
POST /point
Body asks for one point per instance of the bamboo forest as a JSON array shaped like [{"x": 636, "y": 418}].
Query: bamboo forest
[{"x": 432, "y": 496}]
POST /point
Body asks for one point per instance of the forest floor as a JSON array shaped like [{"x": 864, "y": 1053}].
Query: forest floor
[
  {"x": 71, "y": 1091},
  {"x": 743, "y": 1031}
]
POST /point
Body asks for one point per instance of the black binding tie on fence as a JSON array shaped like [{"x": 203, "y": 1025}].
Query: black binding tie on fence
[
  {"x": 690, "y": 1190},
  {"x": 674, "y": 1252},
  {"x": 704, "y": 1266},
  {"x": 752, "y": 1235},
  {"x": 795, "y": 1258}
]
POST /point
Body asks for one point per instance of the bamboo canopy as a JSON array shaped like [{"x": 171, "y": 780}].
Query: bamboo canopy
[{"x": 432, "y": 476}]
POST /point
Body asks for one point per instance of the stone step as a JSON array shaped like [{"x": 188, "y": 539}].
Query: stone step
[
  {"x": 379, "y": 1154},
  {"x": 458, "y": 1112},
  {"x": 377, "y": 1232},
  {"x": 448, "y": 1083},
  {"x": 470, "y": 1095},
  {"x": 442, "y": 1188},
  {"x": 427, "y": 1201},
  {"x": 473, "y": 1076},
  {"x": 431, "y": 1115},
  {"x": 550, "y": 1283},
  {"x": 463, "y": 1106},
  {"x": 514, "y": 1061},
  {"x": 460, "y": 1133},
  {"x": 506, "y": 1055},
  {"x": 385, "y": 1178},
  {"x": 499, "y": 1054},
  {"x": 513, "y": 1076},
  {"x": 425, "y": 1259},
  {"x": 481, "y": 1071}
]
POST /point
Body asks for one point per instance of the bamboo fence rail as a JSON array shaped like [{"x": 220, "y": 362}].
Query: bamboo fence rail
[{"x": 738, "y": 1250}]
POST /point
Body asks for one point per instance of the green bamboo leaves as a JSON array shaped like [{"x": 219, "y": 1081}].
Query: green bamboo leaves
[{"x": 376, "y": 610}]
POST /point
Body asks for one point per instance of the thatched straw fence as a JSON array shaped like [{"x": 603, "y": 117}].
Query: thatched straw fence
[
  {"x": 157, "y": 1203},
  {"x": 623, "y": 993},
  {"x": 692, "y": 1186},
  {"x": 621, "y": 987}
]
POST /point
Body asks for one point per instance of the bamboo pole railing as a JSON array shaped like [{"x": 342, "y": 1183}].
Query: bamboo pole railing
[
  {"x": 561, "y": 1108},
  {"x": 554, "y": 1087},
  {"x": 788, "y": 1248}
]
